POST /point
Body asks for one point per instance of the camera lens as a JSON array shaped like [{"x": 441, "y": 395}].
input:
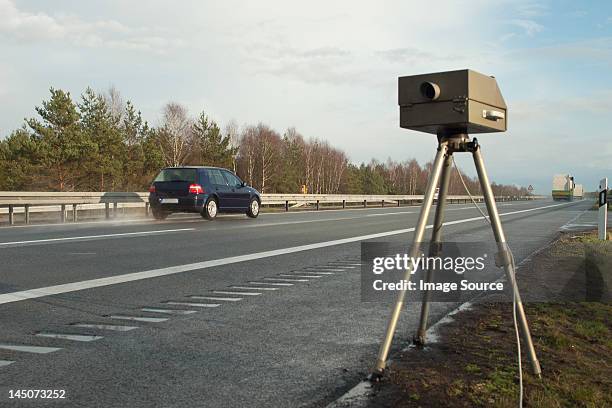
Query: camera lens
[{"x": 430, "y": 90}]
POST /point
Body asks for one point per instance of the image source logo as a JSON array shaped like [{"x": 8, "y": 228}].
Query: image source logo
[{"x": 450, "y": 271}]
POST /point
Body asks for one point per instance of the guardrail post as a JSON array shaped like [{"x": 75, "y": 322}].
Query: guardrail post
[
  {"x": 398, "y": 202},
  {"x": 343, "y": 203},
  {"x": 115, "y": 209},
  {"x": 365, "y": 203},
  {"x": 146, "y": 209},
  {"x": 74, "y": 213},
  {"x": 106, "y": 210},
  {"x": 317, "y": 205},
  {"x": 383, "y": 203},
  {"x": 26, "y": 211},
  {"x": 63, "y": 213},
  {"x": 286, "y": 205},
  {"x": 11, "y": 215}
]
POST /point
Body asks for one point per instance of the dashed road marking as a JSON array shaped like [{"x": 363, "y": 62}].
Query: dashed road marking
[
  {"x": 270, "y": 283},
  {"x": 290, "y": 275},
  {"x": 192, "y": 304},
  {"x": 140, "y": 318},
  {"x": 5, "y": 363},
  {"x": 168, "y": 311},
  {"x": 228, "y": 292},
  {"x": 112, "y": 327},
  {"x": 286, "y": 280},
  {"x": 252, "y": 288},
  {"x": 69, "y": 336},
  {"x": 319, "y": 273},
  {"x": 324, "y": 270},
  {"x": 220, "y": 299},
  {"x": 29, "y": 349}
]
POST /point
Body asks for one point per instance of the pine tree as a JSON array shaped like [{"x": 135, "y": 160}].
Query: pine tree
[
  {"x": 62, "y": 147},
  {"x": 104, "y": 171},
  {"x": 214, "y": 148},
  {"x": 17, "y": 161}
]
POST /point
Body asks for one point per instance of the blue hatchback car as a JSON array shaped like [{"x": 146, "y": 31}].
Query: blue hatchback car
[{"x": 204, "y": 190}]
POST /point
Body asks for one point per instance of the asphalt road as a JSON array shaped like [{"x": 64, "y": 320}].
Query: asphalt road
[{"x": 303, "y": 344}]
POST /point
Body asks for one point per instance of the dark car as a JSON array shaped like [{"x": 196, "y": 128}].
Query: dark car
[{"x": 204, "y": 190}]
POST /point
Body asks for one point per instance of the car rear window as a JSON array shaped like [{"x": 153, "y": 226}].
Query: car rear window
[{"x": 186, "y": 175}]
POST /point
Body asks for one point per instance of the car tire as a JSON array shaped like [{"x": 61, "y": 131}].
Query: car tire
[
  {"x": 210, "y": 209},
  {"x": 253, "y": 210},
  {"x": 160, "y": 215}
]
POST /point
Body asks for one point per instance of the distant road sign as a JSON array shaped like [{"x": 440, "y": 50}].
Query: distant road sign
[{"x": 530, "y": 188}]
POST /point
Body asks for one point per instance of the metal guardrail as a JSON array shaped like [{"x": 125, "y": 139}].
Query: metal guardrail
[{"x": 26, "y": 202}]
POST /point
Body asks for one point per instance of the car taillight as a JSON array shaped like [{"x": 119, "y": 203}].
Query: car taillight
[
  {"x": 152, "y": 188},
  {"x": 196, "y": 189}
]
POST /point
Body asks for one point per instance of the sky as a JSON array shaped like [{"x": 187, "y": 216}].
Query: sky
[{"x": 330, "y": 69}]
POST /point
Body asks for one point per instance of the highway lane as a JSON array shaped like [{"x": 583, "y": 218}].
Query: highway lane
[
  {"x": 300, "y": 345},
  {"x": 74, "y": 253}
]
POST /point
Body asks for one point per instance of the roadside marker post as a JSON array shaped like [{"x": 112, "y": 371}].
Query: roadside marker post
[{"x": 603, "y": 208}]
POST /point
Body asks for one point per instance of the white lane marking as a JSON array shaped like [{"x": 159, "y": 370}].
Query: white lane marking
[
  {"x": 270, "y": 283},
  {"x": 192, "y": 304},
  {"x": 252, "y": 288},
  {"x": 391, "y": 213},
  {"x": 220, "y": 299},
  {"x": 68, "y": 336},
  {"x": 84, "y": 237},
  {"x": 168, "y": 311},
  {"x": 323, "y": 270},
  {"x": 139, "y": 318},
  {"x": 112, "y": 327},
  {"x": 29, "y": 349},
  {"x": 228, "y": 292},
  {"x": 345, "y": 266},
  {"x": 154, "y": 273},
  {"x": 318, "y": 273},
  {"x": 286, "y": 280},
  {"x": 5, "y": 363},
  {"x": 289, "y": 275}
]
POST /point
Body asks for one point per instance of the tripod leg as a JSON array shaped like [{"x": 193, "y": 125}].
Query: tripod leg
[
  {"x": 434, "y": 246},
  {"x": 419, "y": 231},
  {"x": 505, "y": 256}
]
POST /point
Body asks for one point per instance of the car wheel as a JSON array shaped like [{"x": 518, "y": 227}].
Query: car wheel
[
  {"x": 210, "y": 209},
  {"x": 253, "y": 210},
  {"x": 160, "y": 215}
]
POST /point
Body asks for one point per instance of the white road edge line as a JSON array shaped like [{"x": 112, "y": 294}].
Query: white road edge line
[
  {"x": 154, "y": 273},
  {"x": 124, "y": 234}
]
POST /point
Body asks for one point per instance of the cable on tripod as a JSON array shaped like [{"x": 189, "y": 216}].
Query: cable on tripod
[{"x": 516, "y": 330}]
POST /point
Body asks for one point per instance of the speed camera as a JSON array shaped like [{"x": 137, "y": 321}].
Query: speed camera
[{"x": 452, "y": 102}]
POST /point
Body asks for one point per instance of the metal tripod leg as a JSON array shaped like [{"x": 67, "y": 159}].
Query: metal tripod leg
[
  {"x": 419, "y": 231},
  {"x": 434, "y": 246},
  {"x": 505, "y": 256}
]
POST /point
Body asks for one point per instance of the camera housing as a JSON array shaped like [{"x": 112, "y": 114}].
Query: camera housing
[{"x": 451, "y": 102}]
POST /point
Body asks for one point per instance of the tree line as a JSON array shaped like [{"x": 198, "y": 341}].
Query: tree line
[{"x": 102, "y": 143}]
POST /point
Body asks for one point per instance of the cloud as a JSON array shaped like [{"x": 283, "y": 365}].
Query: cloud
[
  {"x": 530, "y": 10},
  {"x": 529, "y": 27},
  {"x": 413, "y": 55},
  {"x": 29, "y": 27}
]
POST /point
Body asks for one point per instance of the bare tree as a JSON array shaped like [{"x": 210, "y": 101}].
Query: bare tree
[
  {"x": 175, "y": 134},
  {"x": 115, "y": 103},
  {"x": 233, "y": 131}
]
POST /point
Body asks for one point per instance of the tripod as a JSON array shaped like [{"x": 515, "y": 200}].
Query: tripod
[{"x": 440, "y": 175}]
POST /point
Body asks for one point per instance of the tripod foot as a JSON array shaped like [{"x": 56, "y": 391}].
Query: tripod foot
[
  {"x": 375, "y": 376},
  {"x": 418, "y": 341}
]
